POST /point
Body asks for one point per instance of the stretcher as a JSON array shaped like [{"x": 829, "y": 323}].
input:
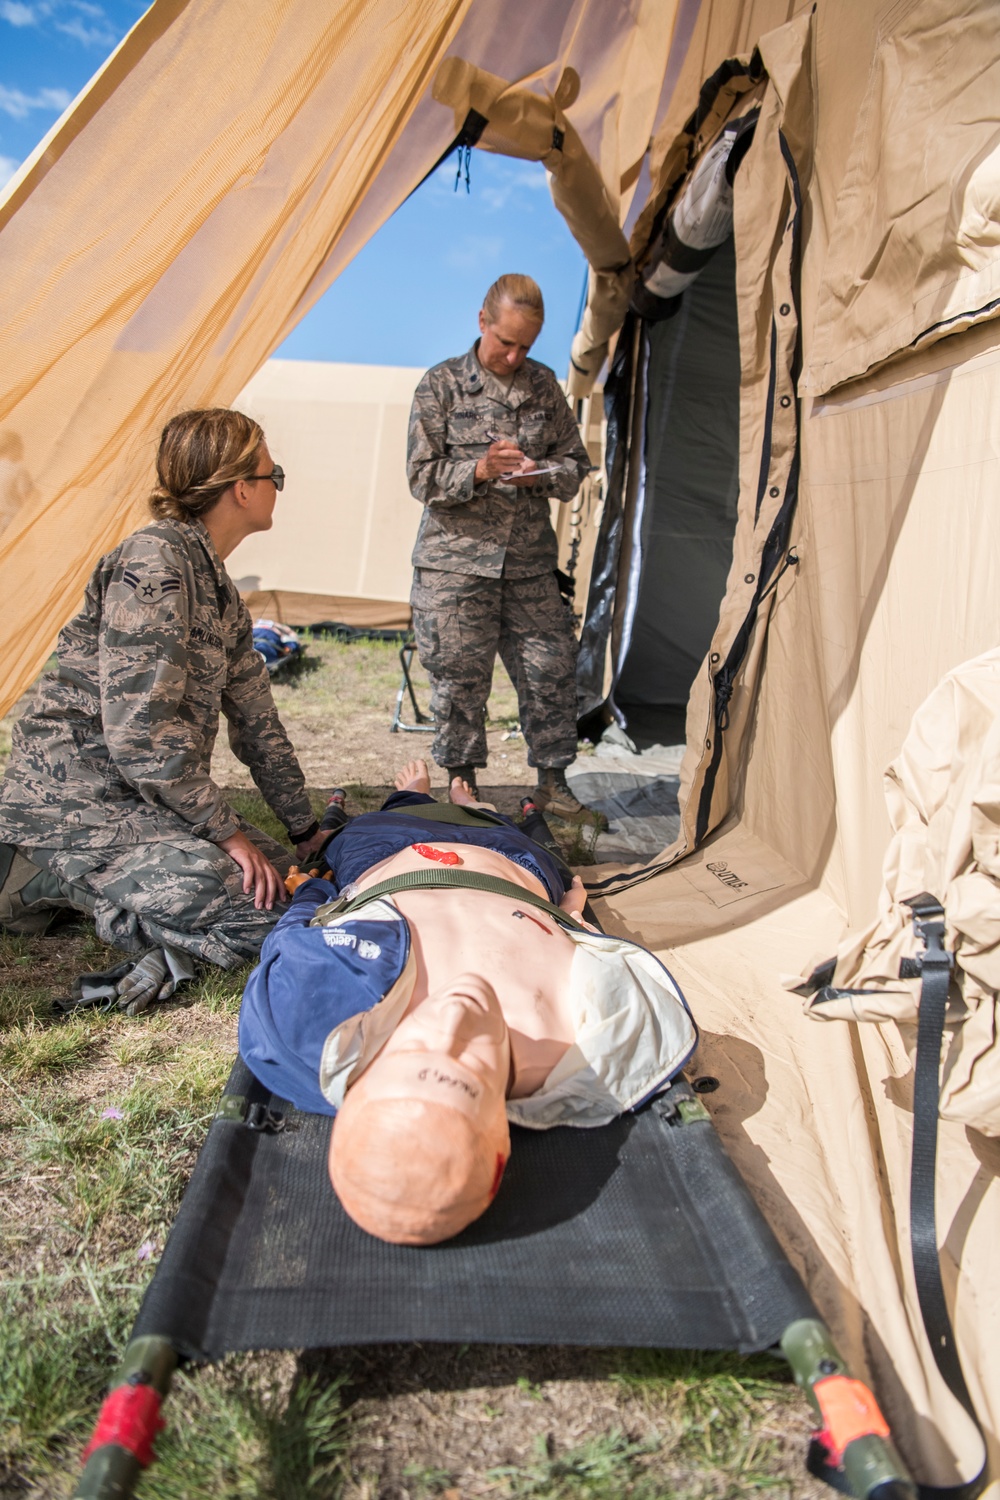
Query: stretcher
[{"x": 640, "y": 1233}]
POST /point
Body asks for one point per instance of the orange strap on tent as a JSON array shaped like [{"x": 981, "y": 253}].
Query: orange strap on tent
[
  {"x": 130, "y": 1417},
  {"x": 849, "y": 1411}
]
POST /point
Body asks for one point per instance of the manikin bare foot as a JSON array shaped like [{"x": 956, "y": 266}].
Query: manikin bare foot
[
  {"x": 414, "y": 777},
  {"x": 460, "y": 792}
]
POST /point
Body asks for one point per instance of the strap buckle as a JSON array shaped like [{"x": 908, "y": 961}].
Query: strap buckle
[
  {"x": 261, "y": 1118},
  {"x": 928, "y": 923}
]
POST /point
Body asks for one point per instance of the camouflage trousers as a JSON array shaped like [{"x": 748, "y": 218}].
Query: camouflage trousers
[
  {"x": 461, "y": 622},
  {"x": 182, "y": 892}
]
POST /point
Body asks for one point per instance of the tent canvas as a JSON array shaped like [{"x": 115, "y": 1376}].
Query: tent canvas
[
  {"x": 340, "y": 547},
  {"x": 868, "y": 445}
]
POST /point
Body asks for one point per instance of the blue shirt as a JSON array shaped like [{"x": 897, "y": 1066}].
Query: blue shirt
[{"x": 308, "y": 981}]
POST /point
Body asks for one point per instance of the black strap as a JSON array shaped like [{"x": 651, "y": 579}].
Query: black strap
[
  {"x": 935, "y": 970},
  {"x": 418, "y": 880}
]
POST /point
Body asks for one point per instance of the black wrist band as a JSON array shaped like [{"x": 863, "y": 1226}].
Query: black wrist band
[{"x": 307, "y": 833}]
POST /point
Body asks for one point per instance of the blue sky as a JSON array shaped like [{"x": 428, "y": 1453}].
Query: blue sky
[{"x": 411, "y": 296}]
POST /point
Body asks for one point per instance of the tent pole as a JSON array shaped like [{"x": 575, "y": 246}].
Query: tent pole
[
  {"x": 853, "y": 1442},
  {"x": 129, "y": 1420}
]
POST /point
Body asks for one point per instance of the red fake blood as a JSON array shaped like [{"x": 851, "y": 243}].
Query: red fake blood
[
  {"x": 498, "y": 1175},
  {"x": 426, "y": 852},
  {"x": 130, "y": 1417}
]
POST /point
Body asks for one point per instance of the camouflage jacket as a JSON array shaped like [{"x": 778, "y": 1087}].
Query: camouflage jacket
[
  {"x": 117, "y": 746},
  {"x": 489, "y": 528}
]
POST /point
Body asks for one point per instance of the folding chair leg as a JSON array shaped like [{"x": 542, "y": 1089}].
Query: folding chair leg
[
  {"x": 122, "y": 1444},
  {"x": 853, "y": 1449},
  {"x": 424, "y": 724}
]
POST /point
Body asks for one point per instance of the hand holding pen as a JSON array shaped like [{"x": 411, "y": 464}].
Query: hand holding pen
[{"x": 503, "y": 459}]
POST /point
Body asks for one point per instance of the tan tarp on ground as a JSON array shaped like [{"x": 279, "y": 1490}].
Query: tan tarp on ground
[
  {"x": 897, "y": 531},
  {"x": 273, "y": 145},
  {"x": 208, "y": 186}
]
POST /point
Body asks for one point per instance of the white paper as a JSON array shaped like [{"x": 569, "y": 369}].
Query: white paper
[{"x": 531, "y": 473}]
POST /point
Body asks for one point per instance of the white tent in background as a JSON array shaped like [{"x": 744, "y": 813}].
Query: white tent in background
[
  {"x": 850, "y": 408},
  {"x": 340, "y": 545}
]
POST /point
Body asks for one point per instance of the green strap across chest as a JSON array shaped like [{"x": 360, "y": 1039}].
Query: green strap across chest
[
  {"x": 449, "y": 812},
  {"x": 422, "y": 880}
]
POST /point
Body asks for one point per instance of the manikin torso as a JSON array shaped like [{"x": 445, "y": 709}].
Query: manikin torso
[{"x": 522, "y": 951}]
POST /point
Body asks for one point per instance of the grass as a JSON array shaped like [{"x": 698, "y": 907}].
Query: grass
[{"x": 101, "y": 1118}]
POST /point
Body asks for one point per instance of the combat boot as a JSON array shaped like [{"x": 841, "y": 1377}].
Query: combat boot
[
  {"x": 552, "y": 795},
  {"x": 30, "y": 898},
  {"x": 468, "y": 775}
]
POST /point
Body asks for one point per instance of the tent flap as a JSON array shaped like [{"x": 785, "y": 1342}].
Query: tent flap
[{"x": 916, "y": 255}]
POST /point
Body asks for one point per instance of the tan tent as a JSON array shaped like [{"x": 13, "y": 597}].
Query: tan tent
[
  {"x": 856, "y": 407},
  {"x": 342, "y": 537}
]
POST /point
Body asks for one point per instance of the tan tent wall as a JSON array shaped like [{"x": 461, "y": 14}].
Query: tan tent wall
[
  {"x": 346, "y": 521},
  {"x": 897, "y": 531},
  {"x": 204, "y": 191}
]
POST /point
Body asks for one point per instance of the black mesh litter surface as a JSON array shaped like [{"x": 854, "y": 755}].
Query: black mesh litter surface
[{"x": 638, "y": 1233}]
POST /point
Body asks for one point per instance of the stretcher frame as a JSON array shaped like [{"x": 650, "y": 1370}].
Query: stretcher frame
[{"x": 852, "y": 1447}]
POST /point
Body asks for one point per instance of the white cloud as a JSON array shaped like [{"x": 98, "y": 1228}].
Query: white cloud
[
  {"x": 99, "y": 35},
  {"x": 8, "y": 166},
  {"x": 81, "y": 19},
  {"x": 18, "y": 105},
  {"x": 17, "y": 13},
  {"x": 474, "y": 250}
]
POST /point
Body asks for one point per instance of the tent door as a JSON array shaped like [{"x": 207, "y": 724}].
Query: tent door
[{"x": 685, "y": 525}]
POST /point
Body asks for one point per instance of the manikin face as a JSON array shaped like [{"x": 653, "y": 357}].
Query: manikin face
[
  {"x": 504, "y": 344},
  {"x": 419, "y": 1146},
  {"x": 461, "y": 1025}
]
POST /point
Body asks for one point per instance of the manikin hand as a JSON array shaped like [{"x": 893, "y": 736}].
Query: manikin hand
[
  {"x": 312, "y": 846},
  {"x": 573, "y": 902},
  {"x": 297, "y": 877},
  {"x": 259, "y": 875}
]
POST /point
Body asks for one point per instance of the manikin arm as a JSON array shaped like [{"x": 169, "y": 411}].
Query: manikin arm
[{"x": 573, "y": 902}]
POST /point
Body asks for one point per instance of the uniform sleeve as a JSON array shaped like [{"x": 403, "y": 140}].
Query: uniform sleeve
[
  {"x": 143, "y": 645},
  {"x": 566, "y": 449},
  {"x": 257, "y": 736},
  {"x": 436, "y": 479}
]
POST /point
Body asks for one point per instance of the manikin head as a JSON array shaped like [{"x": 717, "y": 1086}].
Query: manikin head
[
  {"x": 420, "y": 1143},
  {"x": 509, "y": 323}
]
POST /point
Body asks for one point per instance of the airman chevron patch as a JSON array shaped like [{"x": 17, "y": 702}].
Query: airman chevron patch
[{"x": 150, "y": 590}]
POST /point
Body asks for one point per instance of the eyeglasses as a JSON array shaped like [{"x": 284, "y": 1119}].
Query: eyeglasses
[{"x": 276, "y": 476}]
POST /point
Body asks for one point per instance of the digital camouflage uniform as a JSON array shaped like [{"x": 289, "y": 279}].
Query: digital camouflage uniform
[
  {"x": 109, "y": 785},
  {"x": 485, "y": 557}
]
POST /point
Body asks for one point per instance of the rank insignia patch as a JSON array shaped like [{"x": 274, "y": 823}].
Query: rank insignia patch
[{"x": 150, "y": 590}]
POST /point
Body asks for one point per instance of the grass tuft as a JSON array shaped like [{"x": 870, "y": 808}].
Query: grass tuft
[
  {"x": 235, "y": 1436},
  {"x": 606, "y": 1468},
  {"x": 59, "y": 1336},
  {"x": 35, "y": 1051}
]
